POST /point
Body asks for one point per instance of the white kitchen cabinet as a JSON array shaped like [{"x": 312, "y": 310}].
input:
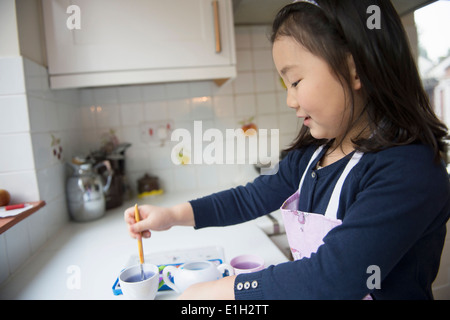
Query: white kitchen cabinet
[{"x": 138, "y": 41}]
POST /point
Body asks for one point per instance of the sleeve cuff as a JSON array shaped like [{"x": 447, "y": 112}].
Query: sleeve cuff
[{"x": 249, "y": 286}]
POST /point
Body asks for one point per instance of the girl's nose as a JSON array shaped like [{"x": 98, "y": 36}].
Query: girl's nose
[{"x": 291, "y": 100}]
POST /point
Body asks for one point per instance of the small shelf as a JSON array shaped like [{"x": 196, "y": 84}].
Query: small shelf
[{"x": 8, "y": 222}]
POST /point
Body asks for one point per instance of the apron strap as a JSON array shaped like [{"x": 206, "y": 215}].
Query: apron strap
[
  {"x": 314, "y": 156},
  {"x": 333, "y": 205}
]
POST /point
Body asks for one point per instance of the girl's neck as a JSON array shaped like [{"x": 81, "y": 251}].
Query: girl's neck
[
  {"x": 335, "y": 153},
  {"x": 339, "y": 148}
]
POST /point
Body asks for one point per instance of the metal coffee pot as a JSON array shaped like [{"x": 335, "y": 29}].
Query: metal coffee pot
[{"x": 85, "y": 190}]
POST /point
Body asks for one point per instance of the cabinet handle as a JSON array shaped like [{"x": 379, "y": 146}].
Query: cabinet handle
[{"x": 215, "y": 5}]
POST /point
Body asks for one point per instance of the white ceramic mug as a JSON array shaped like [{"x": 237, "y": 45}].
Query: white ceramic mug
[
  {"x": 134, "y": 288},
  {"x": 193, "y": 272}
]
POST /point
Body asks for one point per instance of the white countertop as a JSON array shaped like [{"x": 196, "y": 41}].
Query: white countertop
[{"x": 95, "y": 252}]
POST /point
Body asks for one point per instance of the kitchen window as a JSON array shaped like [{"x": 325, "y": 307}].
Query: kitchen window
[{"x": 434, "y": 55}]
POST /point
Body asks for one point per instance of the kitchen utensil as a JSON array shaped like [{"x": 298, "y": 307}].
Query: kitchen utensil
[
  {"x": 85, "y": 190},
  {"x": 147, "y": 184},
  {"x": 193, "y": 272},
  {"x": 120, "y": 189},
  {"x": 114, "y": 195},
  {"x": 247, "y": 263},
  {"x": 133, "y": 287},
  {"x": 141, "y": 249}
]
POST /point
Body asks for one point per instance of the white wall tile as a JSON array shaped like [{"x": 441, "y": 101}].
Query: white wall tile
[
  {"x": 12, "y": 79},
  {"x": 260, "y": 36},
  {"x": 176, "y": 91},
  {"x": 107, "y": 95},
  {"x": 264, "y": 81},
  {"x": 207, "y": 175},
  {"x": 289, "y": 124},
  {"x": 179, "y": 109},
  {"x": 185, "y": 178},
  {"x": 244, "y": 83},
  {"x": 129, "y": 94},
  {"x": 14, "y": 114},
  {"x": 69, "y": 116},
  {"x": 37, "y": 114},
  {"x": 56, "y": 215},
  {"x": 108, "y": 116},
  {"x": 87, "y": 97},
  {"x": 267, "y": 103},
  {"x": 88, "y": 115},
  {"x": 51, "y": 182},
  {"x": 155, "y": 111},
  {"x": 131, "y": 113},
  {"x": 223, "y": 106},
  {"x": 200, "y": 88},
  {"x": 243, "y": 38},
  {"x": 244, "y": 60},
  {"x": 42, "y": 149},
  {"x": 282, "y": 102},
  {"x": 14, "y": 182},
  {"x": 19, "y": 150},
  {"x": 245, "y": 105},
  {"x": 4, "y": 267},
  {"x": 154, "y": 92},
  {"x": 201, "y": 108},
  {"x": 37, "y": 229},
  {"x": 18, "y": 247},
  {"x": 262, "y": 60}
]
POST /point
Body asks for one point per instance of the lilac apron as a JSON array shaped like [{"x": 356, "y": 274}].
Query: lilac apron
[{"x": 305, "y": 231}]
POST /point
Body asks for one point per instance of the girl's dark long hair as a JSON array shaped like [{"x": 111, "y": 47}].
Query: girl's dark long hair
[{"x": 398, "y": 107}]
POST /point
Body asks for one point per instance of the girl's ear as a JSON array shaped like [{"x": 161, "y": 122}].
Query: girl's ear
[{"x": 355, "y": 80}]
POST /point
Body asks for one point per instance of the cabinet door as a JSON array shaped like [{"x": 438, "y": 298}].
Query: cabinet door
[{"x": 121, "y": 35}]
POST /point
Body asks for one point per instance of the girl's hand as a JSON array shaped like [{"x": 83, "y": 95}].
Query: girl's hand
[
  {"x": 152, "y": 218},
  {"x": 158, "y": 219},
  {"x": 222, "y": 289}
]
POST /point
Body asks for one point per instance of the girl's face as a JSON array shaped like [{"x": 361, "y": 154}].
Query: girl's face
[{"x": 313, "y": 90}]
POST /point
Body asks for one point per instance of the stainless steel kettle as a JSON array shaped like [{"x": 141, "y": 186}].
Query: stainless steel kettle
[{"x": 85, "y": 190}]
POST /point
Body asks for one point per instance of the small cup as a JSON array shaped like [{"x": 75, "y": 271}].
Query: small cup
[
  {"x": 134, "y": 288},
  {"x": 247, "y": 263}
]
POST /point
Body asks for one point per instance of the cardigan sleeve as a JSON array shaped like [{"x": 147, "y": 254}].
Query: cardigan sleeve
[{"x": 244, "y": 203}]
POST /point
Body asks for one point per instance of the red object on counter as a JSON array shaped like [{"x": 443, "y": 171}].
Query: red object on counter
[
  {"x": 14, "y": 206},
  {"x": 8, "y": 222}
]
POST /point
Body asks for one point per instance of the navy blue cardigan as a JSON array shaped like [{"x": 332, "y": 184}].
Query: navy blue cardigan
[{"x": 394, "y": 206}]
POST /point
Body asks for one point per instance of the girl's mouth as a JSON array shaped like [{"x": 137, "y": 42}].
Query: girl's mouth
[{"x": 307, "y": 121}]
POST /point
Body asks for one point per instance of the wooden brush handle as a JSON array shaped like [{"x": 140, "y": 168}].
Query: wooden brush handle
[{"x": 141, "y": 249}]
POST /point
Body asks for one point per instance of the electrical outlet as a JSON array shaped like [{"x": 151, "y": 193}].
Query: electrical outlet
[{"x": 156, "y": 133}]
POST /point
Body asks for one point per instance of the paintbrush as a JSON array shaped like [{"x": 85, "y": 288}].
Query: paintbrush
[{"x": 141, "y": 249}]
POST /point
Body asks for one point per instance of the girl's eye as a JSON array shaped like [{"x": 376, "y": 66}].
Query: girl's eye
[{"x": 295, "y": 84}]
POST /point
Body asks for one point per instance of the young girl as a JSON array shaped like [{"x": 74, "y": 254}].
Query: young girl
[{"x": 363, "y": 189}]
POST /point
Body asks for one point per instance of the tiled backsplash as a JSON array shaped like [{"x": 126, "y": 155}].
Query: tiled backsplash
[
  {"x": 42, "y": 128},
  {"x": 256, "y": 92}
]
